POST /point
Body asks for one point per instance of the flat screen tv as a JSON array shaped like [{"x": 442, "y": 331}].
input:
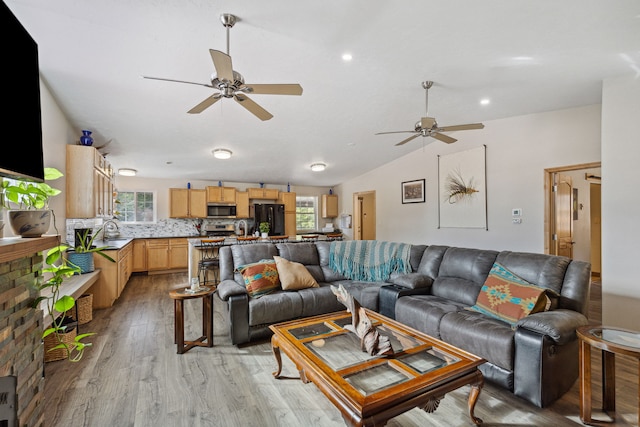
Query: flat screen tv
[{"x": 21, "y": 117}]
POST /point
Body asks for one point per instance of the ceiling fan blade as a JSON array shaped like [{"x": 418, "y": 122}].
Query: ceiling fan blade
[
  {"x": 208, "y": 102},
  {"x": 427, "y": 122},
  {"x": 178, "y": 81},
  {"x": 408, "y": 139},
  {"x": 443, "y": 138},
  {"x": 274, "y": 89},
  {"x": 461, "y": 127},
  {"x": 398, "y": 131},
  {"x": 253, "y": 108},
  {"x": 222, "y": 62}
]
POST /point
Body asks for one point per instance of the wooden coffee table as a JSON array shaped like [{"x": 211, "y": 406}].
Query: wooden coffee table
[{"x": 369, "y": 390}]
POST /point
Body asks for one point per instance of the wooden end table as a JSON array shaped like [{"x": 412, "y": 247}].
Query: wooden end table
[
  {"x": 610, "y": 341},
  {"x": 181, "y": 294}
]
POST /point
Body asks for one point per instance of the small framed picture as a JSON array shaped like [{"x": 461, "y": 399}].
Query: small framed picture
[{"x": 413, "y": 191}]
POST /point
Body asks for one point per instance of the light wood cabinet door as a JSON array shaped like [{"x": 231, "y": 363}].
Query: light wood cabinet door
[
  {"x": 178, "y": 253},
  {"x": 187, "y": 203},
  {"x": 89, "y": 183},
  {"x": 197, "y": 203},
  {"x": 290, "y": 228},
  {"x": 289, "y": 201},
  {"x": 139, "y": 255},
  {"x": 113, "y": 276},
  {"x": 221, "y": 194},
  {"x": 157, "y": 254},
  {"x": 242, "y": 204},
  {"x": 263, "y": 193},
  {"x": 329, "y": 206}
]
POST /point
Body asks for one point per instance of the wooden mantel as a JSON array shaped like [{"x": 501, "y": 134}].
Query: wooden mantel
[{"x": 17, "y": 247}]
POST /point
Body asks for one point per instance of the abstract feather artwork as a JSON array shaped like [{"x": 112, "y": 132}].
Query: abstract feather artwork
[{"x": 462, "y": 189}]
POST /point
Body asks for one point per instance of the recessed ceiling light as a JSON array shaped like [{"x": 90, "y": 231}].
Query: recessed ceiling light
[
  {"x": 347, "y": 57},
  {"x": 485, "y": 101},
  {"x": 127, "y": 172},
  {"x": 318, "y": 167},
  {"x": 222, "y": 153}
]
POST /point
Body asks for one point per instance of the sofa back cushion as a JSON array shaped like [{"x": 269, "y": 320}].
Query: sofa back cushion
[
  {"x": 305, "y": 254},
  {"x": 462, "y": 273},
  {"x": 248, "y": 254},
  {"x": 330, "y": 275},
  {"x": 430, "y": 260}
]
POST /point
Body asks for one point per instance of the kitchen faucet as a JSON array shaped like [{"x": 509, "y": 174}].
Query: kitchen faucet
[
  {"x": 108, "y": 231},
  {"x": 243, "y": 222}
]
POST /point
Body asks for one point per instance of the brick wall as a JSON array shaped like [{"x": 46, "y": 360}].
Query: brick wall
[{"x": 21, "y": 348}]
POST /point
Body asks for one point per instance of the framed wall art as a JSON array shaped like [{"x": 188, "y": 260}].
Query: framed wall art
[
  {"x": 462, "y": 190},
  {"x": 413, "y": 191}
]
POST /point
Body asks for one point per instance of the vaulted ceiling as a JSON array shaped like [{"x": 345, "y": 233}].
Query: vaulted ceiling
[{"x": 524, "y": 56}]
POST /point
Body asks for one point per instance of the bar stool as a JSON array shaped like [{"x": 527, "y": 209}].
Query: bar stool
[{"x": 209, "y": 261}]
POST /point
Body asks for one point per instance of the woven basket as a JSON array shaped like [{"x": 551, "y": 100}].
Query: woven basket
[
  {"x": 50, "y": 341},
  {"x": 84, "y": 307}
]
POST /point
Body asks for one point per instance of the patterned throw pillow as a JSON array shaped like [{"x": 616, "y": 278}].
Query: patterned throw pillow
[
  {"x": 260, "y": 278},
  {"x": 508, "y": 297}
]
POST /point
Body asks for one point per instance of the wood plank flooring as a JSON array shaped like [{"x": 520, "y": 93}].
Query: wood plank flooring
[{"x": 133, "y": 377}]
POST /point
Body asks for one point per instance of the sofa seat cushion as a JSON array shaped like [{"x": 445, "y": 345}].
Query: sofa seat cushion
[
  {"x": 319, "y": 300},
  {"x": 508, "y": 297},
  {"x": 424, "y": 312},
  {"x": 489, "y": 338},
  {"x": 276, "y": 307},
  {"x": 366, "y": 293}
]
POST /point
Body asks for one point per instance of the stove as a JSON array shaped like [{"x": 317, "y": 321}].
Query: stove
[{"x": 220, "y": 230}]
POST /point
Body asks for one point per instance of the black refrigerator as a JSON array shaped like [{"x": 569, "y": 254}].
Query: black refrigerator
[{"x": 273, "y": 213}]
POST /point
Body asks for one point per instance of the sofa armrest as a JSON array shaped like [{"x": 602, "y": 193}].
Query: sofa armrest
[
  {"x": 411, "y": 280},
  {"x": 227, "y": 288},
  {"x": 559, "y": 325}
]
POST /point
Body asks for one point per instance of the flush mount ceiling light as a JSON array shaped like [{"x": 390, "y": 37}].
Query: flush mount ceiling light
[
  {"x": 222, "y": 153},
  {"x": 318, "y": 167},
  {"x": 127, "y": 172}
]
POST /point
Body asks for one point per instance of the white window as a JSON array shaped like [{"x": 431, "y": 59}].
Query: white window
[
  {"x": 306, "y": 213},
  {"x": 136, "y": 207}
]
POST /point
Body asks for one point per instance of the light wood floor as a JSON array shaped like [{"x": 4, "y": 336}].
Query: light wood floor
[{"x": 133, "y": 377}]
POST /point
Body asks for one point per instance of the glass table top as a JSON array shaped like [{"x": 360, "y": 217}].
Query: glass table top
[{"x": 626, "y": 338}]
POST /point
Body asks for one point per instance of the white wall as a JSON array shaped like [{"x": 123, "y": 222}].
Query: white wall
[
  {"x": 518, "y": 151},
  {"x": 620, "y": 202}
]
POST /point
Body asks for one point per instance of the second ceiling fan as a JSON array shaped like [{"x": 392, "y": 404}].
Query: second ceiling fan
[
  {"x": 231, "y": 84},
  {"x": 427, "y": 126}
]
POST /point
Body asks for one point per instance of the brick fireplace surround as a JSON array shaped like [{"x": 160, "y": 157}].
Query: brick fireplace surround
[{"x": 21, "y": 348}]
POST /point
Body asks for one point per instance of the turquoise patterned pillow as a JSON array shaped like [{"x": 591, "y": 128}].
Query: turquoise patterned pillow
[{"x": 260, "y": 278}]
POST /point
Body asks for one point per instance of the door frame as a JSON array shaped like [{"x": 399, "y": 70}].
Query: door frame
[
  {"x": 549, "y": 214},
  {"x": 356, "y": 211}
]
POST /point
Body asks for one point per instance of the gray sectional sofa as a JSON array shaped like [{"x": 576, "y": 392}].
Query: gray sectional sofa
[{"x": 536, "y": 359}]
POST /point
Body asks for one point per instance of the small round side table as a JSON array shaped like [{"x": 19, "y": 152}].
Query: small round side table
[
  {"x": 178, "y": 296},
  {"x": 610, "y": 341}
]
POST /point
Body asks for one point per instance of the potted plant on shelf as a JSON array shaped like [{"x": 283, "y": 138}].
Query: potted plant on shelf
[
  {"x": 82, "y": 254},
  {"x": 264, "y": 229},
  {"x": 27, "y": 204},
  {"x": 58, "y": 306}
]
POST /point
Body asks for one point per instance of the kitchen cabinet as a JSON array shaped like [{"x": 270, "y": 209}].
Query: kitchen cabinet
[
  {"x": 113, "y": 276},
  {"x": 221, "y": 194},
  {"x": 242, "y": 204},
  {"x": 329, "y": 206},
  {"x": 167, "y": 254},
  {"x": 289, "y": 201},
  {"x": 89, "y": 183},
  {"x": 187, "y": 203},
  {"x": 139, "y": 256},
  {"x": 263, "y": 193}
]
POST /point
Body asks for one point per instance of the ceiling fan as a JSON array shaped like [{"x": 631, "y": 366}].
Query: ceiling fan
[
  {"x": 231, "y": 84},
  {"x": 427, "y": 126}
]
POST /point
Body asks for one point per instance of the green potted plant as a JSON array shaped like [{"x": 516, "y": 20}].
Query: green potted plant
[
  {"x": 58, "y": 306},
  {"x": 264, "y": 229},
  {"x": 82, "y": 254},
  {"x": 28, "y": 204}
]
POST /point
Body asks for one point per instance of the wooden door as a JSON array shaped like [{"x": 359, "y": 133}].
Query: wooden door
[
  {"x": 563, "y": 235},
  {"x": 364, "y": 216}
]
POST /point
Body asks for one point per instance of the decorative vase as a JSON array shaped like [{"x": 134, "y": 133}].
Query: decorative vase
[
  {"x": 29, "y": 223},
  {"x": 83, "y": 260},
  {"x": 86, "y": 138}
]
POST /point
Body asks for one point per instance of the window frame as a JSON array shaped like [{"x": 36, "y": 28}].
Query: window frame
[
  {"x": 154, "y": 219},
  {"x": 316, "y": 214}
]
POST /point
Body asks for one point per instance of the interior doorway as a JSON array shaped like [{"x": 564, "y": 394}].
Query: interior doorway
[
  {"x": 364, "y": 215},
  {"x": 572, "y": 213}
]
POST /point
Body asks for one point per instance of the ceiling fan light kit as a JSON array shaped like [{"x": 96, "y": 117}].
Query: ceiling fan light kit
[
  {"x": 318, "y": 167},
  {"x": 428, "y": 126},
  {"x": 230, "y": 83},
  {"x": 222, "y": 153}
]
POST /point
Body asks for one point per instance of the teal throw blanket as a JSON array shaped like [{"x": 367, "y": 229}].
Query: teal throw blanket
[{"x": 369, "y": 260}]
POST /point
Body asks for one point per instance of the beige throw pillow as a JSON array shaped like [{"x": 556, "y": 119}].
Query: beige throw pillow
[{"x": 293, "y": 275}]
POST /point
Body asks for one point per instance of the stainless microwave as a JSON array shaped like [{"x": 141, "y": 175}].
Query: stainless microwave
[{"x": 221, "y": 211}]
